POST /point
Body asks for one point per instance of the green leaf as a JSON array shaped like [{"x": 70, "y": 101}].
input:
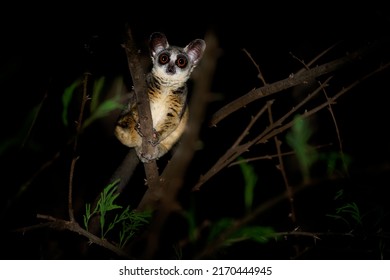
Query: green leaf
[
  {"x": 256, "y": 233},
  {"x": 87, "y": 215},
  {"x": 96, "y": 92},
  {"x": 108, "y": 197},
  {"x": 219, "y": 227},
  {"x": 102, "y": 111},
  {"x": 131, "y": 223},
  {"x": 191, "y": 220},
  {"x": 106, "y": 203},
  {"x": 23, "y": 132},
  {"x": 351, "y": 209},
  {"x": 297, "y": 139},
  {"x": 66, "y": 99},
  {"x": 130, "y": 220},
  {"x": 250, "y": 178},
  {"x": 334, "y": 159}
]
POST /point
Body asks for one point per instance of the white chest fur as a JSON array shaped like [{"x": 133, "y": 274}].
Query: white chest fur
[{"x": 160, "y": 106}]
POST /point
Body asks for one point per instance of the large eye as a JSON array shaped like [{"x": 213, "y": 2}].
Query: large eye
[
  {"x": 163, "y": 58},
  {"x": 181, "y": 61}
]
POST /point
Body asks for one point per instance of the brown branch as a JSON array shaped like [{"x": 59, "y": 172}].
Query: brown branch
[
  {"x": 84, "y": 100},
  {"x": 59, "y": 224},
  {"x": 270, "y": 156},
  {"x": 330, "y": 100},
  {"x": 259, "y": 75},
  {"x": 300, "y": 77},
  {"x": 251, "y": 123},
  {"x": 140, "y": 88},
  {"x": 282, "y": 170},
  {"x": 308, "y": 65},
  {"x": 277, "y": 128},
  {"x": 233, "y": 153}
]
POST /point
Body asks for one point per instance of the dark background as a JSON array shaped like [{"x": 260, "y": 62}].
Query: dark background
[{"x": 45, "y": 48}]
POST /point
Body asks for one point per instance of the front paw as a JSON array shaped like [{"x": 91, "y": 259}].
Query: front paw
[
  {"x": 138, "y": 129},
  {"x": 148, "y": 156},
  {"x": 145, "y": 158},
  {"x": 156, "y": 138},
  {"x": 155, "y": 153}
]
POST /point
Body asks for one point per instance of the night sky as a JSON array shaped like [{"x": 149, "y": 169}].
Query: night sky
[{"x": 44, "y": 49}]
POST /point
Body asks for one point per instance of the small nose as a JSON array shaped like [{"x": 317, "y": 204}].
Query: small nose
[{"x": 171, "y": 69}]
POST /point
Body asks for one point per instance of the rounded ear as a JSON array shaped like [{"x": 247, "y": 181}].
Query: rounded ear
[
  {"x": 157, "y": 42},
  {"x": 195, "y": 50}
]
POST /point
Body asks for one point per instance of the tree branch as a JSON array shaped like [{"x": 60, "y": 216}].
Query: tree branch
[
  {"x": 277, "y": 127},
  {"x": 84, "y": 100},
  {"x": 300, "y": 77},
  {"x": 140, "y": 88}
]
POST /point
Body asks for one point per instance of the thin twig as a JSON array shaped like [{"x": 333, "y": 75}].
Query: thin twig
[
  {"x": 259, "y": 75},
  {"x": 232, "y": 154},
  {"x": 282, "y": 170},
  {"x": 85, "y": 98},
  {"x": 300, "y": 77},
  {"x": 277, "y": 128},
  {"x": 311, "y": 62},
  {"x": 245, "y": 132},
  {"x": 270, "y": 156},
  {"x": 307, "y": 66}
]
